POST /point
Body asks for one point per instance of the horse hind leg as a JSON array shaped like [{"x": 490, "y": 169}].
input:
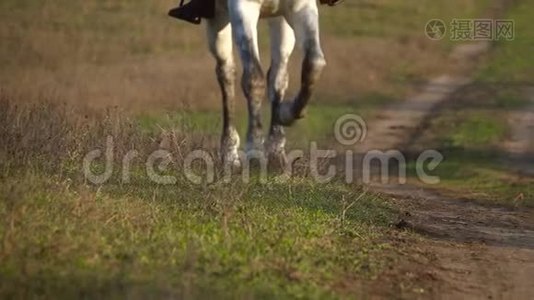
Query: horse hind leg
[
  {"x": 282, "y": 45},
  {"x": 220, "y": 43},
  {"x": 305, "y": 23}
]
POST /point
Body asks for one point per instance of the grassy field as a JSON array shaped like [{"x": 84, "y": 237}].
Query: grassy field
[
  {"x": 75, "y": 72},
  {"x": 261, "y": 241},
  {"x": 64, "y": 238}
]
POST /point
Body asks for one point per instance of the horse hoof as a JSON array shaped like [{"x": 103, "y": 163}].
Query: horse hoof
[
  {"x": 286, "y": 115},
  {"x": 277, "y": 161}
]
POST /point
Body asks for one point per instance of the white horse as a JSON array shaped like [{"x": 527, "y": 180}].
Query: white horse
[{"x": 290, "y": 22}]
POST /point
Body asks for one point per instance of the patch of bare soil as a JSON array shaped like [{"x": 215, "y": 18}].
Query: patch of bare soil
[{"x": 467, "y": 250}]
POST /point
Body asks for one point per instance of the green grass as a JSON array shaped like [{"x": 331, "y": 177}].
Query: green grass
[
  {"x": 474, "y": 165},
  {"x": 482, "y": 177},
  {"x": 511, "y": 61},
  {"x": 477, "y": 129},
  {"x": 241, "y": 240}
]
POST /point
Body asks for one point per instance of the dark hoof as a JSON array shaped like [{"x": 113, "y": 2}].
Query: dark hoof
[{"x": 286, "y": 116}]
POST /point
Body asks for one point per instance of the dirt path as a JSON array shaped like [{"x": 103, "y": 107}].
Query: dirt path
[
  {"x": 467, "y": 250},
  {"x": 398, "y": 122}
]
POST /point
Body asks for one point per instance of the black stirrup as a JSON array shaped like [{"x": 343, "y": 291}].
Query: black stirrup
[{"x": 194, "y": 11}]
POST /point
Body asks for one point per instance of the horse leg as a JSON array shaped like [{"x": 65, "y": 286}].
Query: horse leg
[
  {"x": 244, "y": 16},
  {"x": 220, "y": 43},
  {"x": 305, "y": 23},
  {"x": 282, "y": 44}
]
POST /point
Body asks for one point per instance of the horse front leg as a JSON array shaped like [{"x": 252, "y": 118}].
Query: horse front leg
[
  {"x": 220, "y": 43},
  {"x": 244, "y": 16},
  {"x": 282, "y": 45},
  {"x": 305, "y": 23}
]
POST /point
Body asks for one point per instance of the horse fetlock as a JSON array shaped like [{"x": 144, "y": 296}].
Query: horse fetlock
[
  {"x": 275, "y": 144},
  {"x": 230, "y": 146}
]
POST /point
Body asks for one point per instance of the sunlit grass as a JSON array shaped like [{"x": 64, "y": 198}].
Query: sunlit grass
[{"x": 275, "y": 240}]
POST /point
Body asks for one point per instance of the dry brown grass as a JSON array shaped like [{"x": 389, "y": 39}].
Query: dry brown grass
[
  {"x": 129, "y": 54},
  {"x": 100, "y": 53},
  {"x": 49, "y": 136}
]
